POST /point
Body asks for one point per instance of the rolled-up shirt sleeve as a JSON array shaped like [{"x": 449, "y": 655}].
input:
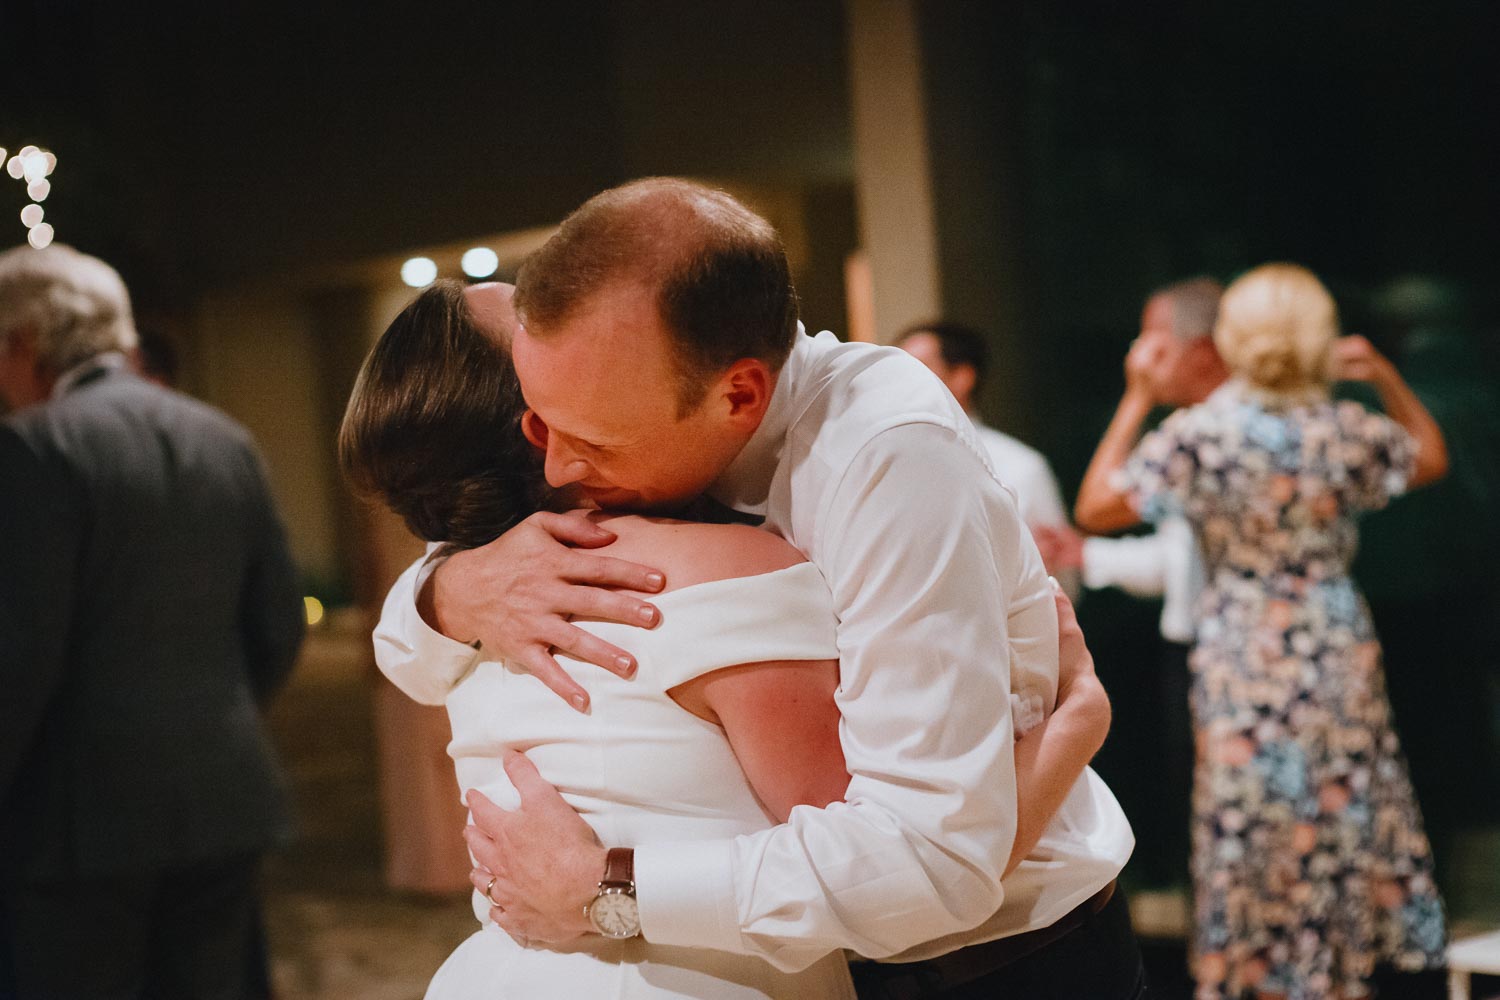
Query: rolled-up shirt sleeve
[
  {"x": 1136, "y": 565},
  {"x": 920, "y": 547},
  {"x": 422, "y": 662}
]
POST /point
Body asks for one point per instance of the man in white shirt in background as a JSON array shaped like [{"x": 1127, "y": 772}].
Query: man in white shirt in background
[
  {"x": 959, "y": 356},
  {"x": 1172, "y": 362},
  {"x": 662, "y": 358}
]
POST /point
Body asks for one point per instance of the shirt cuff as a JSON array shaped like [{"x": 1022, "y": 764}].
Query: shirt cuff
[
  {"x": 1096, "y": 567},
  {"x": 685, "y": 895},
  {"x": 425, "y": 664}
]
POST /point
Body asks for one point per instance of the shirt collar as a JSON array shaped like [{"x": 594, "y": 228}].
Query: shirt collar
[
  {"x": 746, "y": 483},
  {"x": 107, "y": 362}
]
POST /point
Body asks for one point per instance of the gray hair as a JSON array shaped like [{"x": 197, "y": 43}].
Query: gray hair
[
  {"x": 77, "y": 305},
  {"x": 1195, "y": 306}
]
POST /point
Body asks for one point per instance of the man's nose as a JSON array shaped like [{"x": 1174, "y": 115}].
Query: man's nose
[{"x": 563, "y": 466}]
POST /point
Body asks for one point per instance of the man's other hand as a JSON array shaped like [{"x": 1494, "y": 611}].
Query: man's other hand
[
  {"x": 540, "y": 864},
  {"x": 515, "y": 598}
]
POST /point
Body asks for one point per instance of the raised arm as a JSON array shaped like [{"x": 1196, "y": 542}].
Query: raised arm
[
  {"x": 1356, "y": 359},
  {"x": 1100, "y": 508}
]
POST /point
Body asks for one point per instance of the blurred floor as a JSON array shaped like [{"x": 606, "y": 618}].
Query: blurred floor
[{"x": 337, "y": 932}]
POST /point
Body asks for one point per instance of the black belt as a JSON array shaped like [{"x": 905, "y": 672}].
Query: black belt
[{"x": 973, "y": 961}]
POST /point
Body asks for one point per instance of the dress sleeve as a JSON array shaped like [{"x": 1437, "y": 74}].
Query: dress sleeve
[
  {"x": 1379, "y": 456},
  {"x": 1158, "y": 477},
  {"x": 784, "y": 615}
]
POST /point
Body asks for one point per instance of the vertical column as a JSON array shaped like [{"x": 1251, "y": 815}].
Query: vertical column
[
  {"x": 937, "y": 91},
  {"x": 893, "y": 177}
]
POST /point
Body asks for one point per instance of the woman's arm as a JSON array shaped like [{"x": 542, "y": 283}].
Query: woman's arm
[
  {"x": 1356, "y": 359},
  {"x": 1051, "y": 757},
  {"x": 783, "y": 725},
  {"x": 1101, "y": 509}
]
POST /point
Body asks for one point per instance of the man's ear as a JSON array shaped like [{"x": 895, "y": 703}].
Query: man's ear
[
  {"x": 746, "y": 390},
  {"x": 961, "y": 381},
  {"x": 534, "y": 428}
]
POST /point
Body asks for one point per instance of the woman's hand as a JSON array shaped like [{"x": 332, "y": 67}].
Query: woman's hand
[
  {"x": 1355, "y": 359},
  {"x": 1144, "y": 361}
]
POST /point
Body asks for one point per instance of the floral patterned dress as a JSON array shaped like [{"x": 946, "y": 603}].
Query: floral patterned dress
[{"x": 1310, "y": 864}]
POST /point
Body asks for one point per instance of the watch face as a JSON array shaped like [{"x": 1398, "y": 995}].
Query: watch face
[{"x": 614, "y": 914}]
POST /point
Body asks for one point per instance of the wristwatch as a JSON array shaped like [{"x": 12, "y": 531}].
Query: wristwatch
[{"x": 613, "y": 911}]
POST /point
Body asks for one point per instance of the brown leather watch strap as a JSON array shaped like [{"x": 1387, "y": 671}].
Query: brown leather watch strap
[{"x": 619, "y": 867}]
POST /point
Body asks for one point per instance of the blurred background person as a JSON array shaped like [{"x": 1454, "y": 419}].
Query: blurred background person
[
  {"x": 959, "y": 356},
  {"x": 1309, "y": 861},
  {"x": 148, "y": 610},
  {"x": 1173, "y": 362}
]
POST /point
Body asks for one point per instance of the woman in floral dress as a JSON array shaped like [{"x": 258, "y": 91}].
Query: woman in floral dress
[{"x": 1310, "y": 865}]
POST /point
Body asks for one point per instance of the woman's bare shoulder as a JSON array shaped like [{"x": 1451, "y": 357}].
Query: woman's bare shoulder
[{"x": 690, "y": 552}]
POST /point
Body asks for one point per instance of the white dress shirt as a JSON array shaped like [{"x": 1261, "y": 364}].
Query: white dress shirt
[
  {"x": 867, "y": 464},
  {"x": 1026, "y": 471},
  {"x": 1164, "y": 564}
]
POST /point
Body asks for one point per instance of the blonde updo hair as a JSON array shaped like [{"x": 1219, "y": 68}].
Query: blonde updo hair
[{"x": 1276, "y": 326}]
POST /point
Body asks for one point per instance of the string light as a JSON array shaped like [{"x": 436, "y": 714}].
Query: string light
[{"x": 31, "y": 165}]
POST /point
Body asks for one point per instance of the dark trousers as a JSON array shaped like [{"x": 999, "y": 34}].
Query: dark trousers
[
  {"x": 1097, "y": 960},
  {"x": 182, "y": 933}
]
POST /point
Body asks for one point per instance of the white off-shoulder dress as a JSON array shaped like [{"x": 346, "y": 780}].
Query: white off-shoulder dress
[{"x": 638, "y": 767}]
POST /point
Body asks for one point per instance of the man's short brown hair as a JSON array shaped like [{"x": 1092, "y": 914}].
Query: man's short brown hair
[{"x": 723, "y": 287}]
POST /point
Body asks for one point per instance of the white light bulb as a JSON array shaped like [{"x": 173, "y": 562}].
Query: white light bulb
[
  {"x": 480, "y": 262},
  {"x": 15, "y": 167},
  {"x": 31, "y": 215},
  {"x": 419, "y": 272},
  {"x": 40, "y": 235},
  {"x": 39, "y": 189},
  {"x": 51, "y": 161},
  {"x": 27, "y": 151},
  {"x": 35, "y": 167}
]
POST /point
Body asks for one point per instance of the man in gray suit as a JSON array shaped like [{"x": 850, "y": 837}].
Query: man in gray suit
[{"x": 148, "y": 609}]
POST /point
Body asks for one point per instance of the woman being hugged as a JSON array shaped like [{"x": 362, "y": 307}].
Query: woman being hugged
[{"x": 1310, "y": 864}]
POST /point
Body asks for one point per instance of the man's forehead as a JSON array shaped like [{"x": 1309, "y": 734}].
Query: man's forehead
[{"x": 586, "y": 390}]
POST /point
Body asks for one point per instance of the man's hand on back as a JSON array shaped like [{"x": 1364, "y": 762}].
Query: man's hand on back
[
  {"x": 539, "y": 864},
  {"x": 516, "y": 596}
]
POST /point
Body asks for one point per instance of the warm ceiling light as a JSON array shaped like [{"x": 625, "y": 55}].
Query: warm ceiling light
[
  {"x": 480, "y": 262},
  {"x": 39, "y": 189},
  {"x": 31, "y": 215},
  {"x": 40, "y": 235},
  {"x": 419, "y": 272}
]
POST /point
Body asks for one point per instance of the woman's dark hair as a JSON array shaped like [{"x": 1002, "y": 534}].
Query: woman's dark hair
[{"x": 433, "y": 426}]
